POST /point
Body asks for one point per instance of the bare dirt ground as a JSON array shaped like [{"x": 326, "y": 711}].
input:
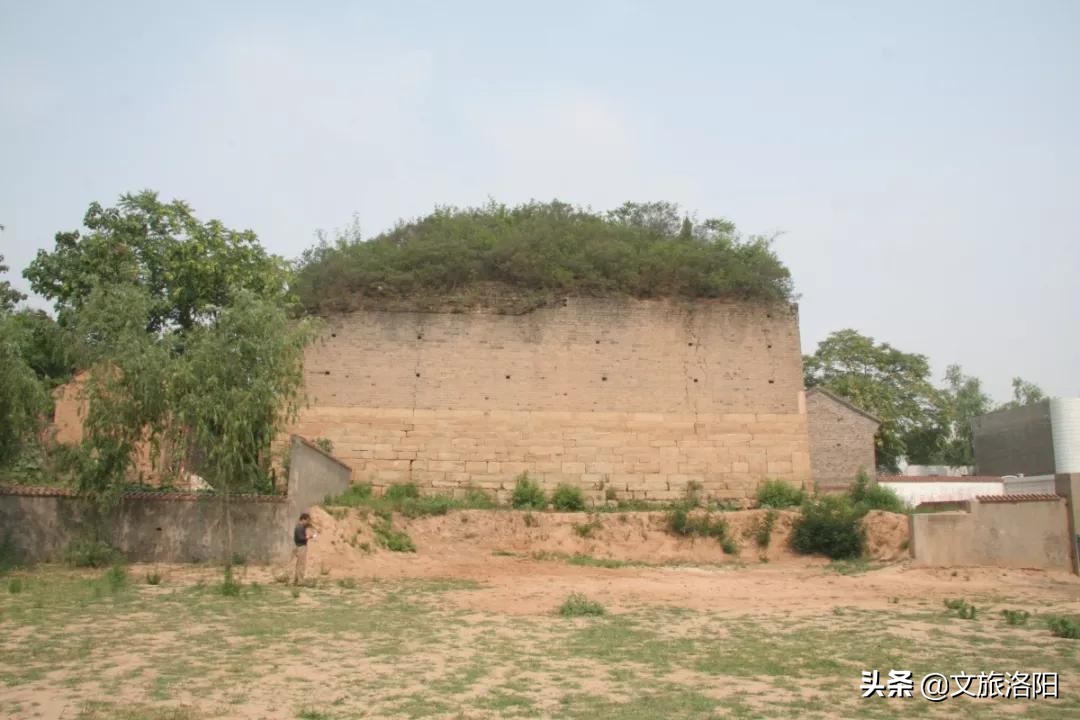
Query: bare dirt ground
[{"x": 468, "y": 626}]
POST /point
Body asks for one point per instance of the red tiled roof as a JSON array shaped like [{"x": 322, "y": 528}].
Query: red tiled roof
[
  {"x": 1021, "y": 497},
  {"x": 44, "y": 491}
]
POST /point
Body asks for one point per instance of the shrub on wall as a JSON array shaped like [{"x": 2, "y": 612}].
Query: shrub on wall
[
  {"x": 528, "y": 495},
  {"x": 568, "y": 498},
  {"x": 779, "y": 494}
]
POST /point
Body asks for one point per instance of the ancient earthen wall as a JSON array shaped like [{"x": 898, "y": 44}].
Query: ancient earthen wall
[{"x": 640, "y": 396}]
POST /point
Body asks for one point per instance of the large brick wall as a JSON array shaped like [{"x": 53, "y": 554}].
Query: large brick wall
[
  {"x": 641, "y": 396},
  {"x": 841, "y": 440}
]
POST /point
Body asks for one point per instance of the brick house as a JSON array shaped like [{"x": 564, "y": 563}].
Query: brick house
[{"x": 841, "y": 439}]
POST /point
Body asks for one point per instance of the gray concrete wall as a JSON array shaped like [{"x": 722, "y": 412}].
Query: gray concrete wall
[
  {"x": 314, "y": 474},
  {"x": 1023, "y": 534},
  {"x": 180, "y": 528},
  {"x": 1068, "y": 486},
  {"x": 1011, "y": 442}
]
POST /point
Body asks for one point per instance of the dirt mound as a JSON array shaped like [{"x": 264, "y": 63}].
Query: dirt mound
[
  {"x": 888, "y": 535},
  {"x": 347, "y": 542}
]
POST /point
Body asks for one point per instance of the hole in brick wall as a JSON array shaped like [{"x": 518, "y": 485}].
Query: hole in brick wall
[
  {"x": 417, "y": 374},
  {"x": 769, "y": 346},
  {"x": 771, "y": 382},
  {"x": 420, "y": 336},
  {"x": 333, "y": 334},
  {"x": 768, "y": 315},
  {"x": 326, "y": 372},
  {"x": 507, "y": 377},
  {"x": 690, "y": 344},
  {"x": 597, "y": 342},
  {"x": 695, "y": 379},
  {"x": 604, "y": 378}
]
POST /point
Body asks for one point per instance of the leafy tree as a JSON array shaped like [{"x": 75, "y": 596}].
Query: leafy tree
[
  {"x": 9, "y": 296},
  {"x": 44, "y": 345},
  {"x": 893, "y": 385},
  {"x": 964, "y": 401},
  {"x": 22, "y": 396},
  {"x": 188, "y": 268},
  {"x": 1024, "y": 393}
]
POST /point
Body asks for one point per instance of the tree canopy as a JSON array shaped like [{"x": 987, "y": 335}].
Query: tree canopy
[
  {"x": 639, "y": 249},
  {"x": 188, "y": 268}
]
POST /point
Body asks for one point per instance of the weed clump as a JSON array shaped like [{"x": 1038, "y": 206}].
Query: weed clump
[
  {"x": 779, "y": 494},
  {"x": 962, "y": 609},
  {"x": 586, "y": 530},
  {"x": 528, "y": 495},
  {"x": 1064, "y": 627},
  {"x": 681, "y": 522},
  {"x": 568, "y": 498},
  {"x": 15, "y": 586},
  {"x": 230, "y": 586},
  {"x": 1015, "y": 617},
  {"x": 153, "y": 578},
  {"x": 90, "y": 552},
  {"x": 763, "y": 531},
  {"x": 867, "y": 495},
  {"x": 391, "y": 539},
  {"x": 577, "y": 605},
  {"x": 829, "y": 526}
]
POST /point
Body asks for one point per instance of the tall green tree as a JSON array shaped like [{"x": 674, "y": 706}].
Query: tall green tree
[
  {"x": 9, "y": 296},
  {"x": 891, "y": 384},
  {"x": 964, "y": 400},
  {"x": 189, "y": 268},
  {"x": 1024, "y": 393}
]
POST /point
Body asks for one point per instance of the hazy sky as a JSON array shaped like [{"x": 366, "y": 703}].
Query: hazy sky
[{"x": 922, "y": 159}]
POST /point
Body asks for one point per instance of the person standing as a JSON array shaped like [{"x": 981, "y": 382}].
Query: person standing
[{"x": 302, "y": 533}]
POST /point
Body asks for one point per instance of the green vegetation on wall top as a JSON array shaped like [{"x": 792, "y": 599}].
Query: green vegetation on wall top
[{"x": 536, "y": 250}]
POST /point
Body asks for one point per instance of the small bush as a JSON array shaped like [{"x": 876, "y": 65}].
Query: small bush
[
  {"x": 867, "y": 495},
  {"x": 1015, "y": 617},
  {"x": 393, "y": 540},
  {"x": 116, "y": 577},
  {"x": 325, "y": 444},
  {"x": 729, "y": 546},
  {"x": 414, "y": 507},
  {"x": 779, "y": 494},
  {"x": 478, "y": 499},
  {"x": 829, "y": 526},
  {"x": 238, "y": 559},
  {"x": 402, "y": 491},
  {"x": 90, "y": 552},
  {"x": 347, "y": 583},
  {"x": 610, "y": 494},
  {"x": 962, "y": 609},
  {"x": 578, "y": 605},
  {"x": 692, "y": 494},
  {"x": 15, "y": 586},
  {"x": 7, "y": 553},
  {"x": 1064, "y": 627},
  {"x": 763, "y": 531},
  {"x": 681, "y": 522},
  {"x": 355, "y": 496},
  {"x": 230, "y": 586},
  {"x": 568, "y": 498},
  {"x": 528, "y": 495},
  {"x": 153, "y": 578},
  {"x": 586, "y": 530}
]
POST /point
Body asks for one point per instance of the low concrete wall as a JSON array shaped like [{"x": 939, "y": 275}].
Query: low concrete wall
[
  {"x": 915, "y": 490},
  {"x": 1004, "y": 531},
  {"x": 181, "y": 527}
]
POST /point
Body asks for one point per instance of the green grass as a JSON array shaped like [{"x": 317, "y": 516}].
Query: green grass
[
  {"x": 405, "y": 498},
  {"x": 578, "y": 605},
  {"x": 404, "y": 648}
]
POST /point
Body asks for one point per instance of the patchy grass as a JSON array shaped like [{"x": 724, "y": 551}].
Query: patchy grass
[
  {"x": 402, "y": 648},
  {"x": 577, "y": 605}
]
